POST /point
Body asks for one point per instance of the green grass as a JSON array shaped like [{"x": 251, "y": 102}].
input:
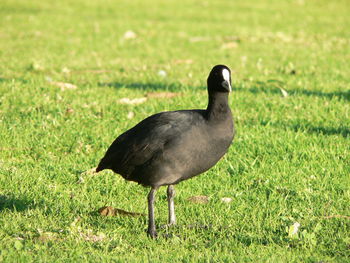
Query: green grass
[{"x": 290, "y": 160}]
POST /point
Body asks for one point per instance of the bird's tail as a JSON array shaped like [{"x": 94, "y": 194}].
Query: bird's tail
[
  {"x": 104, "y": 164},
  {"x": 101, "y": 166}
]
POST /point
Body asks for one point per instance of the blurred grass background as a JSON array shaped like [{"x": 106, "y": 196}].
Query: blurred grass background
[{"x": 289, "y": 162}]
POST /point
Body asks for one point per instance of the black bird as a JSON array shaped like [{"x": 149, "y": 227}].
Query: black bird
[{"x": 169, "y": 147}]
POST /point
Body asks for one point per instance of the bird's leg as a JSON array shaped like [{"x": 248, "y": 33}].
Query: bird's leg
[
  {"x": 171, "y": 206},
  {"x": 151, "y": 224}
]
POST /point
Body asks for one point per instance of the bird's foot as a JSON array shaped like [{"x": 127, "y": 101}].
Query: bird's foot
[
  {"x": 152, "y": 233},
  {"x": 168, "y": 225},
  {"x": 172, "y": 223}
]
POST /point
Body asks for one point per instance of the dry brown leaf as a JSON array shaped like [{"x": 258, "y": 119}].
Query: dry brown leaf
[
  {"x": 226, "y": 199},
  {"x": 130, "y": 115},
  {"x": 162, "y": 94},
  {"x": 162, "y": 73},
  {"x": 89, "y": 236},
  {"x": 111, "y": 211},
  {"x": 129, "y": 34},
  {"x": 65, "y": 70},
  {"x": 69, "y": 110},
  {"x": 199, "y": 199},
  {"x": 284, "y": 93},
  {"x": 132, "y": 101},
  {"x": 63, "y": 85},
  {"x": 293, "y": 230},
  {"x": 229, "y": 45},
  {"x": 183, "y": 61},
  {"x": 199, "y": 39},
  {"x": 47, "y": 236}
]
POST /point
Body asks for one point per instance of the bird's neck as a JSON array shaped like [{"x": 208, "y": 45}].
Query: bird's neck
[{"x": 218, "y": 107}]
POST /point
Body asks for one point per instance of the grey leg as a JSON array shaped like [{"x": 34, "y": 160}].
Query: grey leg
[
  {"x": 151, "y": 224},
  {"x": 171, "y": 206}
]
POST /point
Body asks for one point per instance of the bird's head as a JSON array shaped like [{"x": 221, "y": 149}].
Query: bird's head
[{"x": 219, "y": 79}]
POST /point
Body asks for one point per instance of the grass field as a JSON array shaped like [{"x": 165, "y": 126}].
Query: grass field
[{"x": 289, "y": 163}]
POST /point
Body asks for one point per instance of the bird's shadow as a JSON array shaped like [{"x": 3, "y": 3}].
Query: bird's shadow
[
  {"x": 143, "y": 86},
  {"x": 310, "y": 128},
  {"x": 22, "y": 80},
  {"x": 11, "y": 203},
  {"x": 330, "y": 95},
  {"x": 273, "y": 87},
  {"x": 343, "y": 131}
]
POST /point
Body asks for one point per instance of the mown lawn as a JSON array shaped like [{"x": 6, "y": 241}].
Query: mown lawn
[{"x": 289, "y": 163}]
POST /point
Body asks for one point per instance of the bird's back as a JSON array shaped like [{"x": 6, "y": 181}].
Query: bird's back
[{"x": 137, "y": 145}]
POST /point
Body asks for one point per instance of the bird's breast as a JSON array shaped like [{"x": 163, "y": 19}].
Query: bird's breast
[{"x": 198, "y": 151}]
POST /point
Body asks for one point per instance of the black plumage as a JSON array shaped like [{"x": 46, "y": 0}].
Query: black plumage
[{"x": 169, "y": 147}]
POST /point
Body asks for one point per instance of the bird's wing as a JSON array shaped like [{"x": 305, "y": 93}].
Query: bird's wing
[{"x": 139, "y": 144}]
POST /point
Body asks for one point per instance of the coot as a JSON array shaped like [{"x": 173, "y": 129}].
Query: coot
[{"x": 169, "y": 147}]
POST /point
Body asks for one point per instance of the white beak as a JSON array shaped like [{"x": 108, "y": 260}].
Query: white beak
[{"x": 226, "y": 84}]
